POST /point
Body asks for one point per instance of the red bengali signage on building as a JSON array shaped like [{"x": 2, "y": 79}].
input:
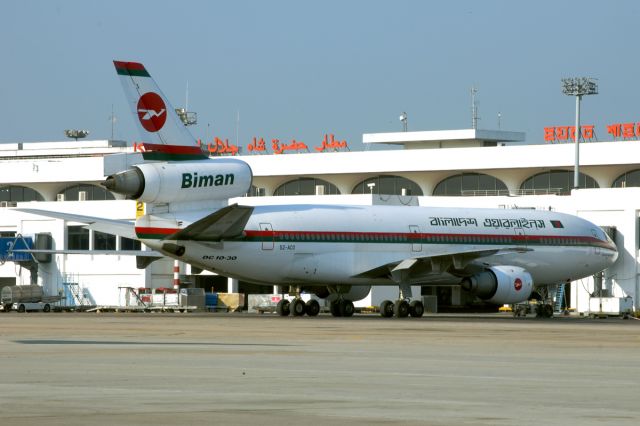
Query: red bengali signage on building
[
  {"x": 258, "y": 146},
  {"x": 568, "y": 133}
]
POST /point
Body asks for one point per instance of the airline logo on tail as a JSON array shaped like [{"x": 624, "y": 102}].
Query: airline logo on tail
[{"x": 152, "y": 112}]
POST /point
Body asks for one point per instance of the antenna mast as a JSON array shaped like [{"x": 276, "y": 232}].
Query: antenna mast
[
  {"x": 186, "y": 97},
  {"x": 474, "y": 108}
]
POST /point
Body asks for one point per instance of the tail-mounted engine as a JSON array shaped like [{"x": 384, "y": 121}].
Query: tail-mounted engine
[
  {"x": 501, "y": 284},
  {"x": 215, "y": 179}
]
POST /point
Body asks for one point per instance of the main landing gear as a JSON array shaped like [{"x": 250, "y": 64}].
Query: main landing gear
[
  {"x": 298, "y": 307},
  {"x": 402, "y": 308},
  {"x": 342, "y": 308}
]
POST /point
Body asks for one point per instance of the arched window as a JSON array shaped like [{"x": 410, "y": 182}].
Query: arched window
[
  {"x": 387, "y": 185},
  {"x": 307, "y": 186},
  {"x": 91, "y": 193},
  {"x": 631, "y": 178},
  {"x": 556, "y": 182},
  {"x": 254, "y": 191},
  {"x": 470, "y": 184},
  {"x": 15, "y": 193}
]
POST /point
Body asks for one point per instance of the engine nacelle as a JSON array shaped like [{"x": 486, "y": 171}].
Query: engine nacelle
[
  {"x": 332, "y": 292},
  {"x": 215, "y": 179},
  {"x": 501, "y": 284}
]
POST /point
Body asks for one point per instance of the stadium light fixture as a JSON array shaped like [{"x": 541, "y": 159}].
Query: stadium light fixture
[
  {"x": 76, "y": 134},
  {"x": 403, "y": 119}
]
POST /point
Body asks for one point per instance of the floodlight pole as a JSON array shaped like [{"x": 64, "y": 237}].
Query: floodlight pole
[
  {"x": 578, "y": 87},
  {"x": 576, "y": 169}
]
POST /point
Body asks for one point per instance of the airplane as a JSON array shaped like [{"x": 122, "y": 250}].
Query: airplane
[{"x": 335, "y": 251}]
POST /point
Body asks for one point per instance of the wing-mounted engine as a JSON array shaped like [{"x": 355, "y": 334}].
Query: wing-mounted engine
[
  {"x": 175, "y": 182},
  {"x": 500, "y": 284}
]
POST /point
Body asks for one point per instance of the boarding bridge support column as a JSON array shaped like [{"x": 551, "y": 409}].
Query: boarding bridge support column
[
  {"x": 233, "y": 286},
  {"x": 456, "y": 299}
]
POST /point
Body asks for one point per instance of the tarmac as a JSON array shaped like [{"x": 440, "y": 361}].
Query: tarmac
[{"x": 248, "y": 369}]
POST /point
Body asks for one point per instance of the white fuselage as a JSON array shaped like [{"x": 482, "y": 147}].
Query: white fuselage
[{"x": 354, "y": 245}]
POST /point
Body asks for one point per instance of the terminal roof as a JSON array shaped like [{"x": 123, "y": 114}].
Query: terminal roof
[{"x": 444, "y": 138}]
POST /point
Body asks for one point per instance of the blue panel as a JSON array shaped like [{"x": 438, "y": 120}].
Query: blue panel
[{"x": 8, "y": 244}]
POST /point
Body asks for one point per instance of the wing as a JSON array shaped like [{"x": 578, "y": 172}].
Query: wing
[
  {"x": 435, "y": 264},
  {"x": 124, "y": 228}
]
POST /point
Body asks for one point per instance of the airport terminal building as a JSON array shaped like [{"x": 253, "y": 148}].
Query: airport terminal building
[{"x": 461, "y": 168}]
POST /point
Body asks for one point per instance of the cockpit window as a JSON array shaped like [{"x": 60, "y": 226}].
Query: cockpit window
[{"x": 600, "y": 234}]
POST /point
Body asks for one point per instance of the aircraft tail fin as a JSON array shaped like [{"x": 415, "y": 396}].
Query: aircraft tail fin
[{"x": 164, "y": 135}]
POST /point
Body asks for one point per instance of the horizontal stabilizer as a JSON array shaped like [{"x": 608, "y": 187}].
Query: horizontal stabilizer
[
  {"x": 226, "y": 223},
  {"x": 124, "y": 228},
  {"x": 145, "y": 253}
]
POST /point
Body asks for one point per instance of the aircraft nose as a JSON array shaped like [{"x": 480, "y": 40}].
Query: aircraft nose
[{"x": 615, "y": 253}]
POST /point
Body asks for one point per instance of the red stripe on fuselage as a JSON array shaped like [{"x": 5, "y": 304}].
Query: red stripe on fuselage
[
  {"x": 387, "y": 237},
  {"x": 378, "y": 236}
]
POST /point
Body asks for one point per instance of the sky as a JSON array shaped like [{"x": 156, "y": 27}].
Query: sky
[{"x": 301, "y": 69}]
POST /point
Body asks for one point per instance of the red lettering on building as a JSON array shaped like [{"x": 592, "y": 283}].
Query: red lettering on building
[
  {"x": 614, "y": 130},
  {"x": 587, "y": 131},
  {"x": 562, "y": 133},
  {"x": 549, "y": 134},
  {"x": 628, "y": 130}
]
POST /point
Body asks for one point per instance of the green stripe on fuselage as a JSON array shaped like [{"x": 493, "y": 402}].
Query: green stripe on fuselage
[{"x": 494, "y": 240}]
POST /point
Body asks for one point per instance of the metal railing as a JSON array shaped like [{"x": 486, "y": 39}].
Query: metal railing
[{"x": 514, "y": 192}]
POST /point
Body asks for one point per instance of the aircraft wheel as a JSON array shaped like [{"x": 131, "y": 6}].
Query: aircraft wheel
[
  {"x": 335, "y": 309},
  {"x": 386, "y": 308},
  {"x": 297, "y": 307},
  {"x": 416, "y": 309},
  {"x": 548, "y": 311},
  {"x": 401, "y": 309},
  {"x": 282, "y": 308},
  {"x": 539, "y": 311},
  {"x": 21, "y": 308},
  {"x": 346, "y": 308},
  {"x": 312, "y": 308}
]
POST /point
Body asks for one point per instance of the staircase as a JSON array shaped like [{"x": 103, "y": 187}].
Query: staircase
[
  {"x": 72, "y": 287},
  {"x": 559, "y": 299}
]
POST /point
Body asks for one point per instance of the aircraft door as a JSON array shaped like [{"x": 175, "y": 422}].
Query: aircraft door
[
  {"x": 416, "y": 243},
  {"x": 268, "y": 242},
  {"x": 521, "y": 236}
]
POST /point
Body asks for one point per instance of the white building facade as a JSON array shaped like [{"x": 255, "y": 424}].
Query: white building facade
[{"x": 470, "y": 168}]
